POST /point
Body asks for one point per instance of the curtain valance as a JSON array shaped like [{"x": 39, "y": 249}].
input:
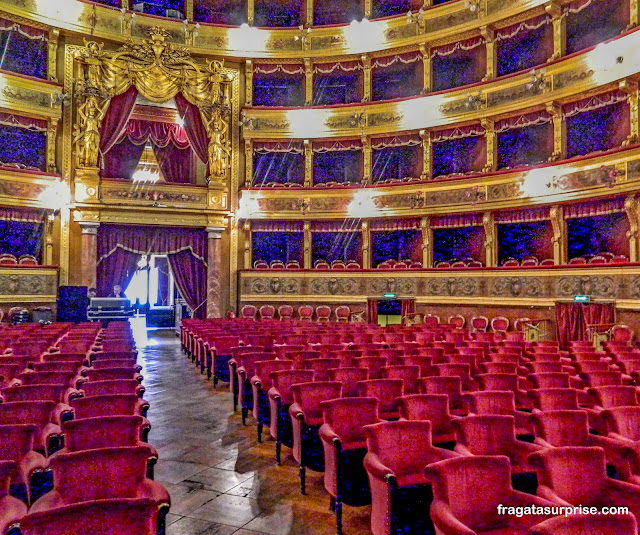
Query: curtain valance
[
  {"x": 337, "y": 146},
  {"x": 450, "y": 48},
  {"x": 387, "y": 61},
  {"x": 267, "y": 68},
  {"x": 270, "y": 147},
  {"x": 532, "y": 24},
  {"x": 412, "y": 140},
  {"x": 36, "y": 125},
  {"x": 160, "y": 134},
  {"x": 395, "y": 224},
  {"x": 523, "y": 215},
  {"x": 347, "y": 225},
  {"x": 456, "y": 221},
  {"x": 595, "y": 208},
  {"x": 343, "y": 66},
  {"x": 35, "y": 34},
  {"x": 23, "y": 216},
  {"x": 522, "y": 121},
  {"x": 595, "y": 102},
  {"x": 277, "y": 226},
  {"x": 457, "y": 133}
]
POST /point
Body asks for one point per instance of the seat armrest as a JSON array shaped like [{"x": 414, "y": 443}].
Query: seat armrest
[
  {"x": 445, "y": 522},
  {"x": 376, "y": 469},
  {"x": 328, "y": 435}
]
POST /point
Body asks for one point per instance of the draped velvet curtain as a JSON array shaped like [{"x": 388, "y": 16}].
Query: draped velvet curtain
[
  {"x": 120, "y": 246},
  {"x": 372, "y": 310},
  {"x": 408, "y": 307},
  {"x": 194, "y": 127},
  {"x": 122, "y": 160},
  {"x": 116, "y": 119},
  {"x": 572, "y": 320}
]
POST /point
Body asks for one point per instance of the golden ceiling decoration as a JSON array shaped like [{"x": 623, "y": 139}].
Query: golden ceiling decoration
[{"x": 159, "y": 70}]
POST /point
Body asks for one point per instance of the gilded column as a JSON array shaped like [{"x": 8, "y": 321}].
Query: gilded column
[
  {"x": 308, "y": 82},
  {"x": 308, "y": 164},
  {"x": 559, "y": 21},
  {"x": 490, "y": 240},
  {"x": 559, "y": 132},
  {"x": 366, "y": 246},
  {"x": 367, "y": 158},
  {"x": 52, "y": 133},
  {"x": 248, "y": 249},
  {"x": 52, "y": 57},
  {"x": 188, "y": 9},
  {"x": 214, "y": 272},
  {"x": 633, "y": 13},
  {"x": 309, "y": 7},
  {"x": 426, "y": 155},
  {"x": 559, "y": 240},
  {"x": 89, "y": 252},
  {"x": 632, "y": 209},
  {"x": 248, "y": 89},
  {"x": 427, "y": 242},
  {"x": 124, "y": 4},
  {"x": 367, "y": 8},
  {"x": 307, "y": 245},
  {"x": 492, "y": 56},
  {"x": 366, "y": 65},
  {"x": 248, "y": 163},
  {"x": 426, "y": 69},
  {"x": 492, "y": 145},
  {"x": 630, "y": 87},
  {"x": 251, "y": 12}
]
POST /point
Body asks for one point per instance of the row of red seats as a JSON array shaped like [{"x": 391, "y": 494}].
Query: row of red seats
[
  {"x": 73, "y": 439},
  {"x": 284, "y": 379}
]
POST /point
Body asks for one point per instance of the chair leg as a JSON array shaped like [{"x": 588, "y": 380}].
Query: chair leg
[
  {"x": 303, "y": 479},
  {"x": 260, "y": 432},
  {"x": 332, "y": 504},
  {"x": 338, "y": 508},
  {"x": 245, "y": 413},
  {"x": 215, "y": 384},
  {"x": 278, "y": 452}
]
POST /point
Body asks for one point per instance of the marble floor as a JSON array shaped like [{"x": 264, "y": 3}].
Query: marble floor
[{"x": 221, "y": 480}]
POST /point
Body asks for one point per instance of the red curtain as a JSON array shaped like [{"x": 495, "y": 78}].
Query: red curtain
[
  {"x": 160, "y": 134},
  {"x": 175, "y": 163},
  {"x": 372, "y": 310},
  {"x": 191, "y": 278},
  {"x": 117, "y": 268},
  {"x": 408, "y": 307},
  {"x": 163, "y": 281},
  {"x": 194, "y": 127},
  {"x": 121, "y": 161},
  {"x": 572, "y": 320},
  {"x": 116, "y": 118}
]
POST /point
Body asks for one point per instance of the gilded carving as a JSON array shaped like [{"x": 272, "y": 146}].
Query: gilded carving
[
  {"x": 452, "y": 286},
  {"x": 275, "y": 285},
  {"x": 517, "y": 287},
  {"x": 572, "y": 77},
  {"x": 596, "y": 286},
  {"x": 333, "y": 286}
]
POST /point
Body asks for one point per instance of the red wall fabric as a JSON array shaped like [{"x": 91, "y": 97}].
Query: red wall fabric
[{"x": 572, "y": 320}]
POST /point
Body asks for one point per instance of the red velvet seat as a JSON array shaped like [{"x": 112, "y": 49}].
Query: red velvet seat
[
  {"x": 280, "y": 400},
  {"x": 306, "y": 419},
  {"x": 106, "y": 432},
  {"x": 113, "y": 374},
  {"x": 408, "y": 374},
  {"x": 623, "y": 424},
  {"x": 30, "y": 479},
  {"x": 570, "y": 428},
  {"x": 260, "y": 385},
  {"x": 373, "y": 364},
  {"x": 115, "y": 363},
  {"x": 68, "y": 379},
  {"x": 344, "y": 448},
  {"x": 605, "y": 378},
  {"x": 451, "y": 386},
  {"x": 463, "y": 371},
  {"x": 246, "y": 369},
  {"x": 320, "y": 367},
  {"x": 431, "y": 407},
  {"x": 578, "y": 476},
  {"x": 505, "y": 382},
  {"x": 11, "y": 508},
  {"x": 100, "y": 517},
  {"x": 499, "y": 403},
  {"x": 577, "y": 524},
  {"x": 101, "y": 474},
  {"x": 349, "y": 377},
  {"x": 113, "y": 405},
  {"x": 120, "y": 386},
  {"x": 424, "y": 363},
  {"x": 397, "y": 453},
  {"x": 496, "y": 435},
  {"x": 386, "y": 391},
  {"x": 41, "y": 414},
  {"x": 467, "y": 492}
]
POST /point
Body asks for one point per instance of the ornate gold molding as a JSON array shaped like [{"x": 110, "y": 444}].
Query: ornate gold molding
[
  {"x": 30, "y": 96},
  {"x": 582, "y": 179}
]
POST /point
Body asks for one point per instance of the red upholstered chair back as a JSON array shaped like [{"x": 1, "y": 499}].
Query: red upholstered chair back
[
  {"x": 386, "y": 391},
  {"x": 27, "y": 412},
  {"x": 264, "y": 369},
  {"x": 134, "y": 516},
  {"x": 347, "y": 416},
  {"x": 68, "y": 368},
  {"x": 342, "y": 313},
  {"x": 545, "y": 367},
  {"x": 284, "y": 380},
  {"x": 402, "y": 446},
  {"x": 432, "y": 407},
  {"x": 267, "y": 311},
  {"x": 46, "y": 378},
  {"x": 624, "y": 421},
  {"x": 595, "y": 379},
  {"x": 499, "y": 323},
  {"x": 441, "y": 385},
  {"x": 585, "y": 524},
  {"x": 285, "y": 312},
  {"x": 305, "y": 312},
  {"x": 479, "y": 323},
  {"x": 101, "y": 388},
  {"x": 621, "y": 333},
  {"x": 100, "y": 474},
  {"x": 320, "y": 367},
  {"x": 349, "y": 377},
  {"x": 489, "y": 402},
  {"x": 472, "y": 486},
  {"x": 457, "y": 321},
  {"x": 323, "y": 313},
  {"x": 373, "y": 364},
  {"x": 553, "y": 399},
  {"x": 309, "y": 396},
  {"x": 486, "y": 435},
  {"x": 576, "y": 474},
  {"x": 614, "y": 396},
  {"x": 111, "y": 374},
  {"x": 550, "y": 380},
  {"x": 562, "y": 428},
  {"x": 102, "y": 432},
  {"x": 114, "y": 363},
  {"x": 508, "y": 368},
  {"x": 248, "y": 362},
  {"x": 7, "y": 469},
  {"x": 408, "y": 374},
  {"x": 107, "y": 405},
  {"x": 248, "y": 311},
  {"x": 16, "y": 440},
  {"x": 498, "y": 381},
  {"x": 424, "y": 363},
  {"x": 9, "y": 371}
]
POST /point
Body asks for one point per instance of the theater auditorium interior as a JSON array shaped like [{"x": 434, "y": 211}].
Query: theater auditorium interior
[{"x": 319, "y": 267}]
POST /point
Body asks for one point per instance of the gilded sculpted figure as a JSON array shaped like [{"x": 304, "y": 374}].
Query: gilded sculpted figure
[
  {"x": 87, "y": 140},
  {"x": 218, "y": 149}
]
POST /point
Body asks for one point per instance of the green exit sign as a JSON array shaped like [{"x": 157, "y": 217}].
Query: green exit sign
[
  {"x": 389, "y": 296},
  {"x": 581, "y": 298}
]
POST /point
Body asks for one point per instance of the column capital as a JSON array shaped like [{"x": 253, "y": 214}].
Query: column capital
[
  {"x": 89, "y": 227},
  {"x": 214, "y": 233}
]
